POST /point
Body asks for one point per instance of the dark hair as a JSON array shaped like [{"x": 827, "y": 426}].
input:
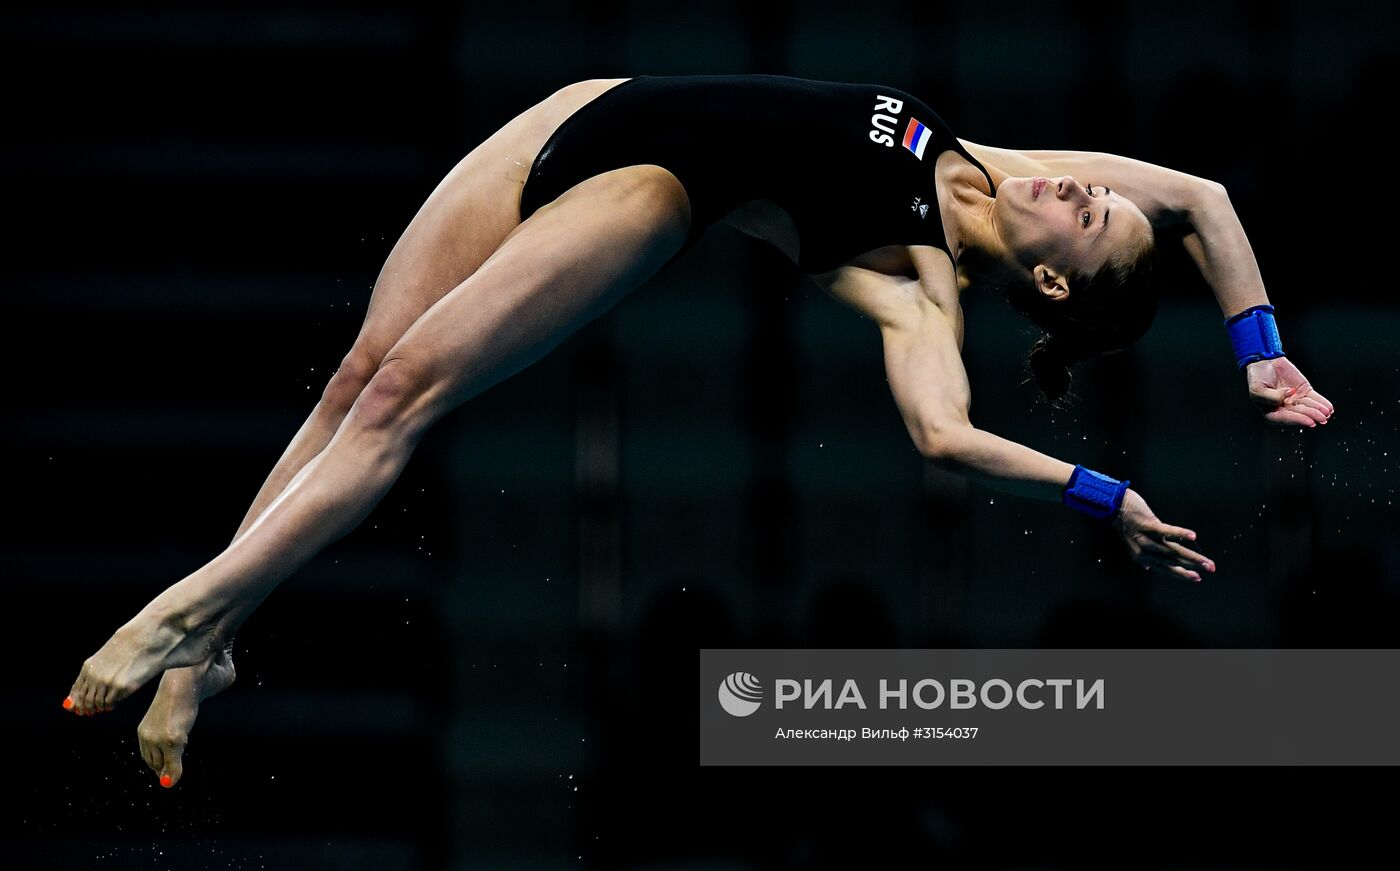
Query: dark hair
[{"x": 1105, "y": 312}]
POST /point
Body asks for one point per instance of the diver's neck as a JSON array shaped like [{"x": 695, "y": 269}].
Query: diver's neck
[{"x": 974, "y": 237}]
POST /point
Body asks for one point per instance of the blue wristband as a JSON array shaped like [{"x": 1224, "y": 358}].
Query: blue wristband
[
  {"x": 1254, "y": 335},
  {"x": 1096, "y": 495}
]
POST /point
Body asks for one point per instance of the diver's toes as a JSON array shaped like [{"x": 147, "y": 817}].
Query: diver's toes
[
  {"x": 107, "y": 696},
  {"x": 88, "y": 689},
  {"x": 79, "y": 695},
  {"x": 174, "y": 767}
]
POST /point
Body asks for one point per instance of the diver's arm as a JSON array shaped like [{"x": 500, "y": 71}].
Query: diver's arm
[
  {"x": 926, "y": 375},
  {"x": 1218, "y": 245},
  {"x": 930, "y": 387},
  {"x": 923, "y": 364},
  {"x": 1221, "y": 251}
]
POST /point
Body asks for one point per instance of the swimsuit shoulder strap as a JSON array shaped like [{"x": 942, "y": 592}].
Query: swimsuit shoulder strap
[{"x": 977, "y": 163}]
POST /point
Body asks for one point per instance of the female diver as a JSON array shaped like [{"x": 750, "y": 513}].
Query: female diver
[{"x": 578, "y": 200}]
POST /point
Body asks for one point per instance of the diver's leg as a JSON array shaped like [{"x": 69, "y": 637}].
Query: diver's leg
[
  {"x": 463, "y": 222},
  {"x": 569, "y": 262}
]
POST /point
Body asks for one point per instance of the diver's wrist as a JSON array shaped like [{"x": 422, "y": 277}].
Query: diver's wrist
[
  {"x": 1094, "y": 493},
  {"x": 1254, "y": 335}
]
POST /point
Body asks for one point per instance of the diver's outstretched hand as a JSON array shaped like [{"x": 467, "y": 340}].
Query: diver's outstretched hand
[
  {"x": 165, "y": 730},
  {"x": 1284, "y": 396},
  {"x": 1155, "y": 545}
]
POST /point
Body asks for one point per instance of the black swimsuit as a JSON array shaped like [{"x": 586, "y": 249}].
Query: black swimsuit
[{"x": 852, "y": 164}]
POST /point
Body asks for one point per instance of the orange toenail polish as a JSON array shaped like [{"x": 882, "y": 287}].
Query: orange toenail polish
[
  {"x": 68, "y": 704},
  {"x": 166, "y": 781}
]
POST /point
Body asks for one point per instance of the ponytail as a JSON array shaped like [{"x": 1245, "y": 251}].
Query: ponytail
[{"x": 1103, "y": 314}]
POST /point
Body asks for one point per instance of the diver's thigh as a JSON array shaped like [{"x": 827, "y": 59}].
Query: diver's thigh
[
  {"x": 571, "y": 260},
  {"x": 465, "y": 218}
]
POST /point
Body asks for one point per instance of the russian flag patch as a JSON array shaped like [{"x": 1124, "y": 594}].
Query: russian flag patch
[{"x": 916, "y": 136}]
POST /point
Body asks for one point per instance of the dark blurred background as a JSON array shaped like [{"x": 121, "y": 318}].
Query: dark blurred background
[{"x": 496, "y": 669}]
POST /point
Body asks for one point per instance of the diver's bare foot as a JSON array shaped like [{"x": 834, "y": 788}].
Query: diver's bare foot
[
  {"x": 137, "y": 652},
  {"x": 165, "y": 730}
]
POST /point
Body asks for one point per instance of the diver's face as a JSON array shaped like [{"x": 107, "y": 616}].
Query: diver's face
[{"x": 1059, "y": 223}]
